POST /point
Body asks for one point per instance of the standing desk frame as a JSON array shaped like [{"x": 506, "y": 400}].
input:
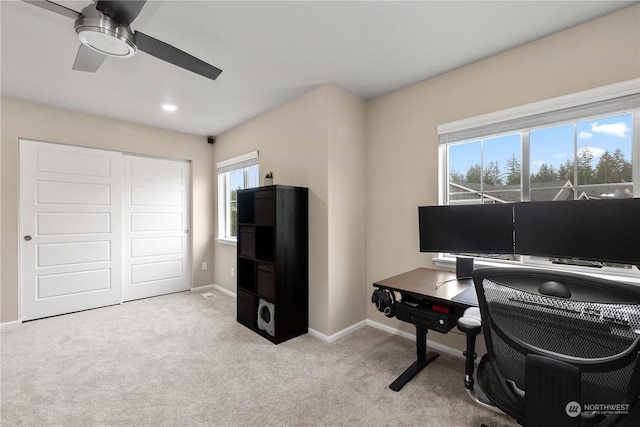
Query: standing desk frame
[{"x": 430, "y": 299}]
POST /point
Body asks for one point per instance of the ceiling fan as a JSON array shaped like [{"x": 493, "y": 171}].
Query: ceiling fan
[{"x": 103, "y": 29}]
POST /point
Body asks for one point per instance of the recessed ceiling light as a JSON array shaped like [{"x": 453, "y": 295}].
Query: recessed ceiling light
[{"x": 169, "y": 107}]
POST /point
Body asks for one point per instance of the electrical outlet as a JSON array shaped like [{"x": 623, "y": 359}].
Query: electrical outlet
[
  {"x": 204, "y": 265},
  {"x": 233, "y": 272}
]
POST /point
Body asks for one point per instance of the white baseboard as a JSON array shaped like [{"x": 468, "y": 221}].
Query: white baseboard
[
  {"x": 339, "y": 334},
  {"x": 13, "y": 322},
  {"x": 442, "y": 348},
  {"x": 390, "y": 330},
  {"x": 201, "y": 288},
  {"x": 216, "y": 287},
  {"x": 225, "y": 291}
]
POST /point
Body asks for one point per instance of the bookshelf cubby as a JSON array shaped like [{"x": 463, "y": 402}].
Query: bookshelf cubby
[{"x": 273, "y": 260}]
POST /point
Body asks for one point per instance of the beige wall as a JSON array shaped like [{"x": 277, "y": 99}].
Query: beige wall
[
  {"x": 291, "y": 140},
  {"x": 347, "y": 209},
  {"x": 314, "y": 141},
  {"x": 402, "y": 145},
  {"x": 32, "y": 121}
]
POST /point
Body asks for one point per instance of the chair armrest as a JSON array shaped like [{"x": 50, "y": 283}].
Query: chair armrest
[{"x": 470, "y": 322}]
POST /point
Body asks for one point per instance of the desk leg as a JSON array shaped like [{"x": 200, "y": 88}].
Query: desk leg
[{"x": 424, "y": 359}]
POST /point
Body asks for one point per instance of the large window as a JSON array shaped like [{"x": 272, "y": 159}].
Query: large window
[
  {"x": 233, "y": 175},
  {"x": 587, "y": 151},
  {"x": 584, "y": 159}
]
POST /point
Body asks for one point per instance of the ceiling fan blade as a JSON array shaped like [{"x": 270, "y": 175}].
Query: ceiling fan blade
[
  {"x": 175, "y": 56},
  {"x": 88, "y": 60},
  {"x": 54, "y": 7},
  {"x": 123, "y": 12}
]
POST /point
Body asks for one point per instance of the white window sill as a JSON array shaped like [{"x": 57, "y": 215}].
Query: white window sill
[
  {"x": 449, "y": 263},
  {"x": 226, "y": 241}
]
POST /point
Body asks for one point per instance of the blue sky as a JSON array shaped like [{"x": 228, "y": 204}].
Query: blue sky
[
  {"x": 553, "y": 146},
  {"x": 236, "y": 178}
]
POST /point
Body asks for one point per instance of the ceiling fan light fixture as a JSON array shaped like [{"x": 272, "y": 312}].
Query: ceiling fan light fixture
[
  {"x": 103, "y": 42},
  {"x": 104, "y": 35}
]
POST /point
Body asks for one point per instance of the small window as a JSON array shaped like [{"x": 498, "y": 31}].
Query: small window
[{"x": 234, "y": 174}]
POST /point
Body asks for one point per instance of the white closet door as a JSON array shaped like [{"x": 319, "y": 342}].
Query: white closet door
[
  {"x": 70, "y": 225},
  {"x": 156, "y": 227}
]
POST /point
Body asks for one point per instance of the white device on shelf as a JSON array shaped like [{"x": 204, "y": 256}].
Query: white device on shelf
[{"x": 266, "y": 317}]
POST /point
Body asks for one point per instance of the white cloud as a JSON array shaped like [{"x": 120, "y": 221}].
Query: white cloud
[
  {"x": 619, "y": 129},
  {"x": 595, "y": 151},
  {"x": 560, "y": 156},
  {"x": 585, "y": 135}
]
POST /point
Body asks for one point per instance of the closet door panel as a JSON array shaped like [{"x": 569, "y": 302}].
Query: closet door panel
[{"x": 70, "y": 225}]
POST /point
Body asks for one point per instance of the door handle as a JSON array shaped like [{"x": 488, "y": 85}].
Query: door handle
[{"x": 27, "y": 238}]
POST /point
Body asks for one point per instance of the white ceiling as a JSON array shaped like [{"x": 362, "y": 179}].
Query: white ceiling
[{"x": 270, "y": 52}]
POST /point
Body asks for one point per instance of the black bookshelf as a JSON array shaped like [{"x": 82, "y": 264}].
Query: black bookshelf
[{"x": 273, "y": 260}]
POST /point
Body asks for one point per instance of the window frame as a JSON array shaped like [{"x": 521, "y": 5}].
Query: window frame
[
  {"x": 527, "y": 114},
  {"x": 224, "y": 168}
]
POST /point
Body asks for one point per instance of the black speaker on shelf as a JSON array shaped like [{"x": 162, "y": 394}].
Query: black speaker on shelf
[
  {"x": 266, "y": 317},
  {"x": 464, "y": 267}
]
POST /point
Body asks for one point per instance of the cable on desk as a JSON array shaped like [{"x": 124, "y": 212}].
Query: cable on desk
[{"x": 451, "y": 280}]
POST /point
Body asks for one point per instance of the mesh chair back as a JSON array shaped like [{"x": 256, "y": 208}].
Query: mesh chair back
[{"x": 596, "y": 329}]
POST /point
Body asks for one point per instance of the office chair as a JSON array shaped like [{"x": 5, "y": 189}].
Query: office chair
[{"x": 562, "y": 349}]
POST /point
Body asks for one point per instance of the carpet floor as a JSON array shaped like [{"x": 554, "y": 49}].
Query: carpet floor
[{"x": 183, "y": 360}]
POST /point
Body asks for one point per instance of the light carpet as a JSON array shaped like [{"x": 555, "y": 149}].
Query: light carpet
[{"x": 183, "y": 360}]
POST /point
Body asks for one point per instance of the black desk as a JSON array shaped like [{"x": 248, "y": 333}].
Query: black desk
[{"x": 428, "y": 307}]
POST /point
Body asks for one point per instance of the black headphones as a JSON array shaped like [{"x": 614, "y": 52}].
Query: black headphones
[{"x": 385, "y": 301}]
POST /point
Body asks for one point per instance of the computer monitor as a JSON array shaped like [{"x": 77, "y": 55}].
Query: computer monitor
[
  {"x": 598, "y": 230},
  {"x": 466, "y": 228}
]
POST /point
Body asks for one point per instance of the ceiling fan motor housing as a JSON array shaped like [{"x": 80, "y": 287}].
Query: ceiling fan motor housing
[
  {"x": 104, "y": 30},
  {"x": 104, "y": 35}
]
